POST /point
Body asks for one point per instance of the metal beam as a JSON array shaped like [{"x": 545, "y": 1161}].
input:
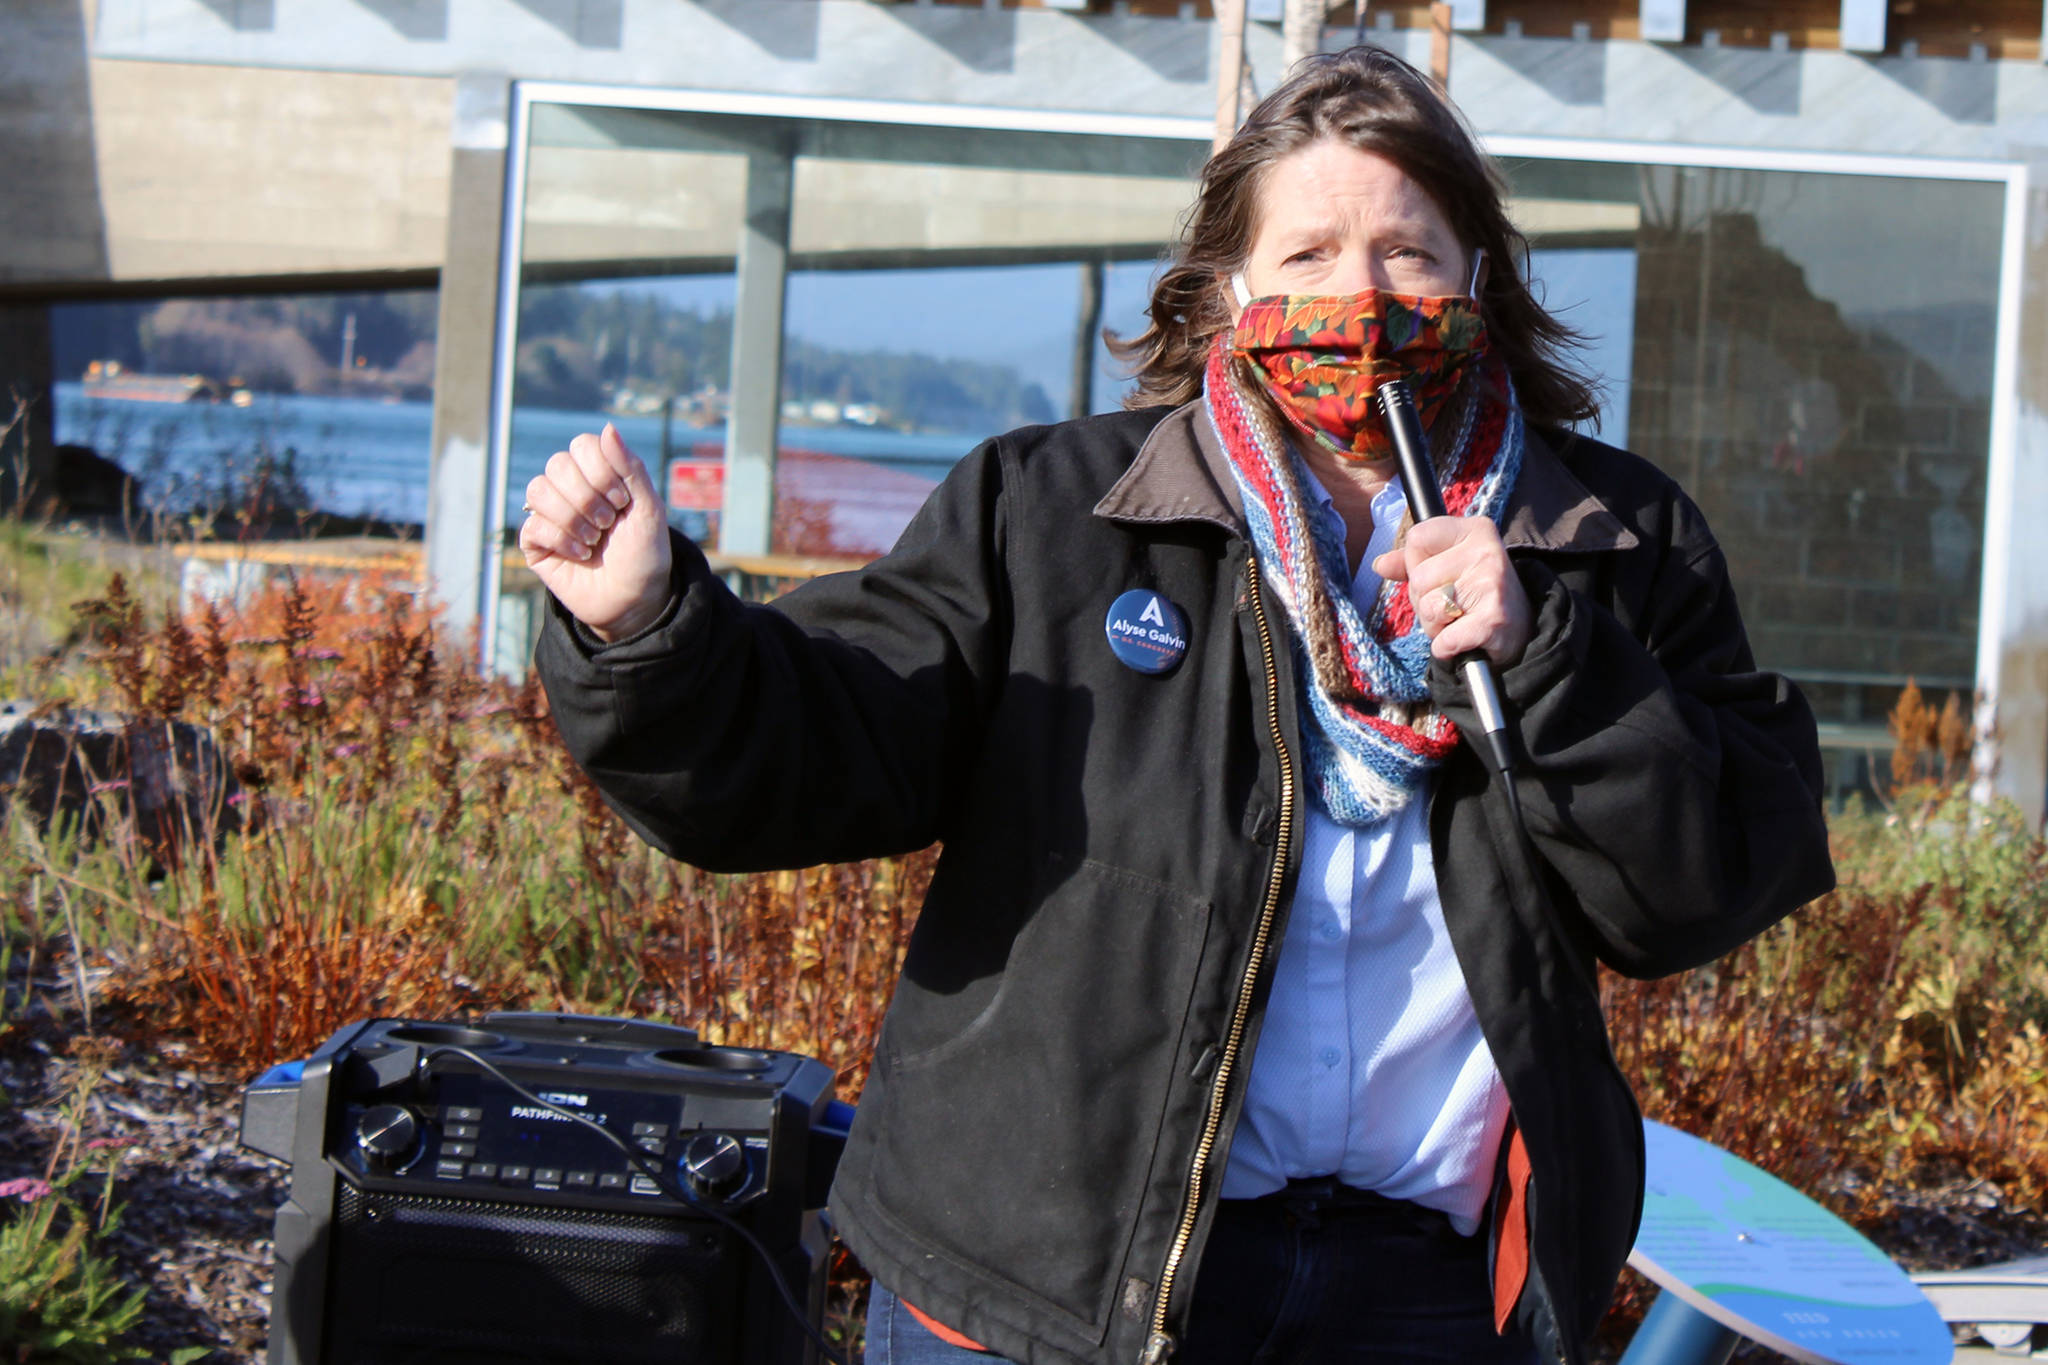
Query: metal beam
[
  {"x": 1863, "y": 25},
  {"x": 759, "y": 292}
]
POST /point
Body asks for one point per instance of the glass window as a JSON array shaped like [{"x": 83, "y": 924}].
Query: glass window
[
  {"x": 943, "y": 285},
  {"x": 1823, "y": 390}
]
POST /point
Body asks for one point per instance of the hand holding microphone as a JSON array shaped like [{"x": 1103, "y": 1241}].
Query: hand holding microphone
[{"x": 1466, "y": 593}]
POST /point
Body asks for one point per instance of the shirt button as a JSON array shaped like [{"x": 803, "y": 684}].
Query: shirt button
[
  {"x": 1332, "y": 930},
  {"x": 1329, "y": 1056}
]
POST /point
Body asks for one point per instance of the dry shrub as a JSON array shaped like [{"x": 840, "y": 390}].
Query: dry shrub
[
  {"x": 421, "y": 845},
  {"x": 248, "y": 995},
  {"x": 1928, "y": 746},
  {"x": 803, "y": 961},
  {"x": 1888, "y": 1039}
]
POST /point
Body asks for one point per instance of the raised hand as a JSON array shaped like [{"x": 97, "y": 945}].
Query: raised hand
[{"x": 597, "y": 535}]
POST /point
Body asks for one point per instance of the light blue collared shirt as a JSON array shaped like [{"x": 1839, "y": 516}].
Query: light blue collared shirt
[{"x": 1371, "y": 1066}]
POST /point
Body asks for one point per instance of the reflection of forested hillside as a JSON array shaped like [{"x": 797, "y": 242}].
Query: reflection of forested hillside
[
  {"x": 578, "y": 348},
  {"x": 277, "y": 343}
]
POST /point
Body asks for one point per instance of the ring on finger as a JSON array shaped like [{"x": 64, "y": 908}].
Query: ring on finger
[{"x": 1448, "y": 604}]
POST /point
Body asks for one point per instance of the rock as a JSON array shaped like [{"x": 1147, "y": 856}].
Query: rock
[
  {"x": 88, "y": 483},
  {"x": 81, "y": 769}
]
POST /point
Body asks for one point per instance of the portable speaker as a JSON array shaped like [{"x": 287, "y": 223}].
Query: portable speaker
[{"x": 438, "y": 1215}]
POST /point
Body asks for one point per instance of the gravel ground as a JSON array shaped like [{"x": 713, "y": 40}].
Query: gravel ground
[
  {"x": 195, "y": 1226},
  {"x": 196, "y": 1208}
]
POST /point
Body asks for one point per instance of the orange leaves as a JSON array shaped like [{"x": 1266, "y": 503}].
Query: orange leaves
[{"x": 420, "y": 844}]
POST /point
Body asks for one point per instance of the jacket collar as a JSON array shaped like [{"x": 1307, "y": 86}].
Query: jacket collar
[{"x": 1181, "y": 473}]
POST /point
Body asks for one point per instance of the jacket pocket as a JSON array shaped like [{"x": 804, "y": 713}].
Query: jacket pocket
[{"x": 1017, "y": 1138}]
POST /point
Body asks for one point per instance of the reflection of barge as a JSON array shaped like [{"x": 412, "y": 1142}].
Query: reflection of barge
[{"x": 111, "y": 379}]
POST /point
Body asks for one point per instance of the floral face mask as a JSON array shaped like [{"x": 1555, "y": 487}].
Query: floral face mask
[{"x": 1323, "y": 357}]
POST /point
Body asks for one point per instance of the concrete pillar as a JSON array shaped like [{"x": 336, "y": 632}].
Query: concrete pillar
[
  {"x": 462, "y": 522},
  {"x": 28, "y": 466},
  {"x": 2012, "y": 646},
  {"x": 747, "y": 524}
]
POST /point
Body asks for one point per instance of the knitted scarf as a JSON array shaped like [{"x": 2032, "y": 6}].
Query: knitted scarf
[{"x": 1370, "y": 734}]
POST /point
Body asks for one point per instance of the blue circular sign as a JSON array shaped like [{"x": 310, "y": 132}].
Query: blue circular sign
[
  {"x": 1747, "y": 1250},
  {"x": 1146, "y": 631}
]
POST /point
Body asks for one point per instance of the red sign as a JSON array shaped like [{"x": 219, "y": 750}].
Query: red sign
[{"x": 696, "y": 485}]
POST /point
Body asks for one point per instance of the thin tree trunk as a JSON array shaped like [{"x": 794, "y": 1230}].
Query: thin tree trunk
[
  {"x": 1229, "y": 66},
  {"x": 1301, "y": 30},
  {"x": 1440, "y": 43}
]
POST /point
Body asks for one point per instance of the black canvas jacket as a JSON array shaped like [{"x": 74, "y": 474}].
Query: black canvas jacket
[{"x": 1037, "y": 1153}]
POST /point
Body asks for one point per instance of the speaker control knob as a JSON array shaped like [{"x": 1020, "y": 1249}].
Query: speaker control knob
[
  {"x": 386, "y": 1136},
  {"x": 714, "y": 1165}
]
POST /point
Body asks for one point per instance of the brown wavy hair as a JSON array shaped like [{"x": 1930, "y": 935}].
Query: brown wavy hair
[{"x": 1370, "y": 99}]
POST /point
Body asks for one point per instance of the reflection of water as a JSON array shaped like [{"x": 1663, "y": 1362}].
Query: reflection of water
[{"x": 362, "y": 457}]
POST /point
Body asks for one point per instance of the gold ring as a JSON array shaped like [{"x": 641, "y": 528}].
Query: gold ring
[{"x": 1452, "y": 608}]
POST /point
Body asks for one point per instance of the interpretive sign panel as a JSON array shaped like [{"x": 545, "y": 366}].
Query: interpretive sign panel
[{"x": 1761, "y": 1258}]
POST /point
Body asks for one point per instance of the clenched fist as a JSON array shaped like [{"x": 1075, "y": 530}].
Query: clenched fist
[{"x": 597, "y": 535}]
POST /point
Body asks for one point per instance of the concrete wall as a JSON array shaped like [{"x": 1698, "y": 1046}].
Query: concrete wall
[
  {"x": 177, "y": 139},
  {"x": 602, "y": 205},
  {"x": 1041, "y": 59},
  {"x": 149, "y": 171},
  {"x": 206, "y": 171}
]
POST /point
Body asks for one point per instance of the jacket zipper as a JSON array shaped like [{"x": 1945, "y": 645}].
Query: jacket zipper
[{"x": 1160, "y": 1344}]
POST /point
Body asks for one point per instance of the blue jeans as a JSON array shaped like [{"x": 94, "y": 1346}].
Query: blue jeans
[{"x": 1314, "y": 1275}]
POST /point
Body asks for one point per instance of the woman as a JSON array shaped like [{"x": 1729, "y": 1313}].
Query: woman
[{"x": 1239, "y": 1023}]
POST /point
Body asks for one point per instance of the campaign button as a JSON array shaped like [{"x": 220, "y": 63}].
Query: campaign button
[{"x": 1146, "y": 631}]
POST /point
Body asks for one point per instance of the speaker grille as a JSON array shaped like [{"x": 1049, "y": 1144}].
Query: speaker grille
[{"x": 461, "y": 1282}]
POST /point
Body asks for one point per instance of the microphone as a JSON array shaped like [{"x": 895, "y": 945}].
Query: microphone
[{"x": 1418, "y": 483}]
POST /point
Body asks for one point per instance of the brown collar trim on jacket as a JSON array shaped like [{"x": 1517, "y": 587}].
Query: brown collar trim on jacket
[{"x": 1182, "y": 474}]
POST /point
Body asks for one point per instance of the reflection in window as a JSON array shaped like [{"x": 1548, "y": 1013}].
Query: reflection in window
[{"x": 1824, "y": 392}]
